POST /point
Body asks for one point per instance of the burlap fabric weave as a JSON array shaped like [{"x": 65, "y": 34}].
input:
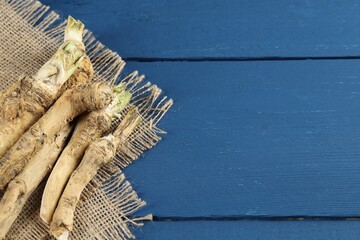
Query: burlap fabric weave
[{"x": 29, "y": 35}]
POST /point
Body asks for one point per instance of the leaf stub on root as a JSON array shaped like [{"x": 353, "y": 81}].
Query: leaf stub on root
[
  {"x": 89, "y": 127},
  {"x": 98, "y": 154},
  {"x": 109, "y": 226},
  {"x": 144, "y": 136},
  {"x": 74, "y": 31},
  {"x": 28, "y": 100},
  {"x": 151, "y": 109}
]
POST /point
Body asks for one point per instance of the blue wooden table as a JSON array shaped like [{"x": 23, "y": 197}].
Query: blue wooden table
[{"x": 265, "y": 130}]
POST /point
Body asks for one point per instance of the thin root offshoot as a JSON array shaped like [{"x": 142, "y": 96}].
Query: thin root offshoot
[
  {"x": 99, "y": 153},
  {"x": 89, "y": 127}
]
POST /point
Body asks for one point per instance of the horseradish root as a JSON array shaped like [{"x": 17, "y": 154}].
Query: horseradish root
[
  {"x": 82, "y": 75},
  {"x": 98, "y": 153},
  {"x": 27, "y": 100},
  {"x": 21, "y": 187},
  {"x": 72, "y": 103},
  {"x": 85, "y": 71},
  {"x": 89, "y": 127}
]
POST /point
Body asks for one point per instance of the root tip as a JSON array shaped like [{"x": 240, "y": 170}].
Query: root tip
[
  {"x": 64, "y": 236},
  {"x": 44, "y": 217}
]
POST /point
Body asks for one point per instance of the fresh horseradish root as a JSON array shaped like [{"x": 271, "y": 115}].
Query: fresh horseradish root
[
  {"x": 59, "y": 129},
  {"x": 82, "y": 75},
  {"x": 89, "y": 127},
  {"x": 98, "y": 153},
  {"x": 85, "y": 71},
  {"x": 75, "y": 101},
  {"x": 25, "y": 101},
  {"x": 21, "y": 187}
]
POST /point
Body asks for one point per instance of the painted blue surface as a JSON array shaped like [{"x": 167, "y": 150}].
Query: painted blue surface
[
  {"x": 274, "y": 138},
  {"x": 227, "y": 28},
  {"x": 246, "y": 138},
  {"x": 251, "y": 230}
]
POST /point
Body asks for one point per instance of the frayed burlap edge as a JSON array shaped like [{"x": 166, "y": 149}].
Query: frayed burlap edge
[{"x": 109, "y": 200}]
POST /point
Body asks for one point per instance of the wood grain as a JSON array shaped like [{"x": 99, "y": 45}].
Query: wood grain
[
  {"x": 251, "y": 230},
  {"x": 246, "y": 139},
  {"x": 220, "y": 29},
  {"x": 272, "y": 138}
]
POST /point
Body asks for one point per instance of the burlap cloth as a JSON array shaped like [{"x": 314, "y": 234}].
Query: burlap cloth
[{"x": 29, "y": 34}]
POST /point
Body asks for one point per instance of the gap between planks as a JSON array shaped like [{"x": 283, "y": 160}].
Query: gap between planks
[
  {"x": 257, "y": 218},
  {"x": 241, "y": 59}
]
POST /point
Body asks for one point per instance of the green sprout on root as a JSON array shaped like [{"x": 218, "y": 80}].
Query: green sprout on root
[{"x": 121, "y": 98}]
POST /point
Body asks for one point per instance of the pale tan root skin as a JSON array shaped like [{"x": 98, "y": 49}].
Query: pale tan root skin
[
  {"x": 72, "y": 103},
  {"x": 89, "y": 127},
  {"x": 98, "y": 153},
  {"x": 21, "y": 187},
  {"x": 9, "y": 90},
  {"x": 82, "y": 75},
  {"x": 95, "y": 156},
  {"x": 20, "y": 109},
  {"x": 25, "y": 102}
]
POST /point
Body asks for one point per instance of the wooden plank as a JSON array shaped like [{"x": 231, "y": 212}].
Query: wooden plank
[
  {"x": 255, "y": 138},
  {"x": 251, "y": 230},
  {"x": 221, "y": 29}
]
